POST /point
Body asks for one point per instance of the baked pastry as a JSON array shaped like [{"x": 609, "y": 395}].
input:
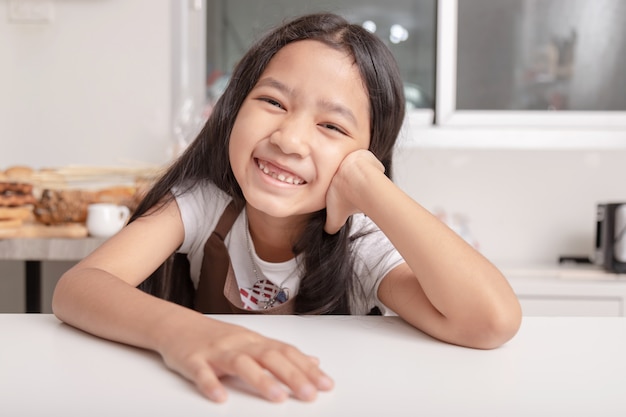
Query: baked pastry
[
  {"x": 15, "y": 194},
  {"x": 16, "y": 203},
  {"x": 47, "y": 197},
  {"x": 63, "y": 206},
  {"x": 16, "y": 213},
  {"x": 10, "y": 223},
  {"x": 120, "y": 195},
  {"x": 19, "y": 173}
]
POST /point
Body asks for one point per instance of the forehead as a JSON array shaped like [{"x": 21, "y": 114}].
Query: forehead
[
  {"x": 316, "y": 68},
  {"x": 313, "y": 53}
]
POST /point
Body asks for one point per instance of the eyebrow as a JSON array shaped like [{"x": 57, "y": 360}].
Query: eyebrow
[{"x": 326, "y": 105}]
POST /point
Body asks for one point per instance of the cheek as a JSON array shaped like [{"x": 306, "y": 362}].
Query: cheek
[
  {"x": 329, "y": 162},
  {"x": 234, "y": 156},
  {"x": 236, "y": 142},
  {"x": 231, "y": 150}
]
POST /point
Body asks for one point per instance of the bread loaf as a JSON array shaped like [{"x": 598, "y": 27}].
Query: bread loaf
[
  {"x": 63, "y": 206},
  {"x": 19, "y": 173},
  {"x": 10, "y": 224},
  {"x": 16, "y": 213},
  {"x": 16, "y": 204}
]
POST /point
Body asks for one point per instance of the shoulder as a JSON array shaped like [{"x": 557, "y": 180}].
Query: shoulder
[
  {"x": 360, "y": 224},
  {"x": 374, "y": 257},
  {"x": 199, "y": 190},
  {"x": 200, "y": 206},
  {"x": 202, "y": 197},
  {"x": 365, "y": 233},
  {"x": 369, "y": 244}
]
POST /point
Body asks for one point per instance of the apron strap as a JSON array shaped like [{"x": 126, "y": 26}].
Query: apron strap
[
  {"x": 218, "y": 292},
  {"x": 209, "y": 298}
]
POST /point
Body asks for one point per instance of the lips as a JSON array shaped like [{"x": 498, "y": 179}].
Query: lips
[{"x": 278, "y": 173}]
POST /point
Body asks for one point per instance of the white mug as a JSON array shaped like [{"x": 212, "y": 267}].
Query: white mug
[{"x": 104, "y": 219}]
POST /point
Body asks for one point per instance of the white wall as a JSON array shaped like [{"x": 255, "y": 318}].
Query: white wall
[
  {"x": 93, "y": 86},
  {"x": 523, "y": 206}
]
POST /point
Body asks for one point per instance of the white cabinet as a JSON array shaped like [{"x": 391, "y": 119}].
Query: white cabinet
[
  {"x": 572, "y": 291},
  {"x": 564, "y": 305}
]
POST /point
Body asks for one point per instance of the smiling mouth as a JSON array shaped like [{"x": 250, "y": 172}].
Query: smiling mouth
[{"x": 279, "y": 174}]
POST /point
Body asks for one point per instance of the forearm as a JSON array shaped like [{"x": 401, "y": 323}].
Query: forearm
[
  {"x": 100, "y": 303},
  {"x": 199, "y": 348},
  {"x": 458, "y": 281}
]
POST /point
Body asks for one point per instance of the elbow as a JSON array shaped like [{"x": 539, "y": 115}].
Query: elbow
[
  {"x": 497, "y": 327},
  {"x": 57, "y": 298},
  {"x": 60, "y": 296}
]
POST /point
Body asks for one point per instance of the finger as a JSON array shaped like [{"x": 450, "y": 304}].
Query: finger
[
  {"x": 333, "y": 225},
  {"x": 310, "y": 365},
  {"x": 331, "y": 229},
  {"x": 209, "y": 384},
  {"x": 314, "y": 359},
  {"x": 256, "y": 376},
  {"x": 290, "y": 373}
]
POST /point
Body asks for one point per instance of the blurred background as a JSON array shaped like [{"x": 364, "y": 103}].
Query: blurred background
[{"x": 516, "y": 109}]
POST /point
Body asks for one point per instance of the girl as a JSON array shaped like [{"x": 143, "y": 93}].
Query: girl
[{"x": 301, "y": 145}]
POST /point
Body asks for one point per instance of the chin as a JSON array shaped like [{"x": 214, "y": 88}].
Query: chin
[{"x": 277, "y": 208}]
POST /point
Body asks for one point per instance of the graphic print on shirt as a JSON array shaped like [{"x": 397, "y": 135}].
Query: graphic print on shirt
[{"x": 263, "y": 294}]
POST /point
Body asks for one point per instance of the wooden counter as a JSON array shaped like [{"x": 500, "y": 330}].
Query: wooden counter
[
  {"x": 33, "y": 251},
  {"x": 48, "y": 249}
]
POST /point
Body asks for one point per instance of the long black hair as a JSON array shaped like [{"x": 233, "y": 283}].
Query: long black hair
[{"x": 328, "y": 274}]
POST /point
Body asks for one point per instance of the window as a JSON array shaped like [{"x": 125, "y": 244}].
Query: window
[
  {"x": 406, "y": 26},
  {"x": 533, "y": 62},
  {"x": 477, "y": 72}
]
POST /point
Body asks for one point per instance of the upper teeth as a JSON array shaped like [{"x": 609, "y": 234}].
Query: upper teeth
[{"x": 280, "y": 177}]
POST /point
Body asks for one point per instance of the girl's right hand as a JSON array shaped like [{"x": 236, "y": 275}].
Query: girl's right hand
[
  {"x": 209, "y": 349},
  {"x": 348, "y": 185}
]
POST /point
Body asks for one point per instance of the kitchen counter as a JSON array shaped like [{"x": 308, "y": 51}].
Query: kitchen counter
[
  {"x": 32, "y": 251},
  {"x": 567, "y": 271},
  {"x": 47, "y": 249},
  {"x": 567, "y": 290},
  {"x": 554, "y": 366}
]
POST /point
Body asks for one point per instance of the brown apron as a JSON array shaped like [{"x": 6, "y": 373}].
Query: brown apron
[{"x": 218, "y": 292}]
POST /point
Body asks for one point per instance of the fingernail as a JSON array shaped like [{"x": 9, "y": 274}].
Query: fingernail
[
  {"x": 325, "y": 383},
  {"x": 276, "y": 393},
  {"x": 307, "y": 392},
  {"x": 217, "y": 395}
]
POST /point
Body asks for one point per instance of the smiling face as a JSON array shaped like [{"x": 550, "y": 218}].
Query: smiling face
[{"x": 308, "y": 110}]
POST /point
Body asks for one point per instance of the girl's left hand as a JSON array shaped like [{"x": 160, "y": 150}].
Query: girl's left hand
[{"x": 347, "y": 186}]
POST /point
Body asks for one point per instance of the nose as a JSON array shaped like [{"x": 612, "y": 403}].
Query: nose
[{"x": 293, "y": 136}]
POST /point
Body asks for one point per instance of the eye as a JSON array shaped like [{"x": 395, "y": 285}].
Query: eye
[
  {"x": 272, "y": 102},
  {"x": 331, "y": 126}
]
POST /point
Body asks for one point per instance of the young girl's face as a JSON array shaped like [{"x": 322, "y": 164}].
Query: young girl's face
[{"x": 308, "y": 110}]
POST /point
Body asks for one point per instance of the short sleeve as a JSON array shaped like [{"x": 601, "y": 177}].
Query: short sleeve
[
  {"x": 374, "y": 257},
  {"x": 200, "y": 208}
]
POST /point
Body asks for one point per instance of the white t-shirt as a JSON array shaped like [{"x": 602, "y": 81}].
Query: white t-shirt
[{"x": 201, "y": 208}]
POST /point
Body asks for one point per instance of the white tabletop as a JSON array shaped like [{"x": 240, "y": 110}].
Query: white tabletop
[{"x": 382, "y": 367}]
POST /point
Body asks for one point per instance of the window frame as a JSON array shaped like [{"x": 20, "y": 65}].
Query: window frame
[
  {"x": 444, "y": 126},
  {"x": 446, "y": 113}
]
